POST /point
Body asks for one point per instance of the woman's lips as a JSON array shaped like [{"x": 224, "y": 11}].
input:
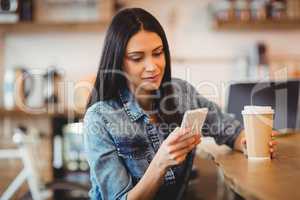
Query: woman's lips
[{"x": 152, "y": 78}]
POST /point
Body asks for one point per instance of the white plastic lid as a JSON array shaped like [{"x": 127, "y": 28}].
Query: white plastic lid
[{"x": 254, "y": 110}]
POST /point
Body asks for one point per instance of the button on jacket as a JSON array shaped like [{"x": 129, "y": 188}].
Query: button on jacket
[{"x": 120, "y": 142}]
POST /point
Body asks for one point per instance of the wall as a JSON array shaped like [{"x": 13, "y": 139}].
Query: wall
[{"x": 207, "y": 55}]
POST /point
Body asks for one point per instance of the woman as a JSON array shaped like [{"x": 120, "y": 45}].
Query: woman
[{"x": 133, "y": 146}]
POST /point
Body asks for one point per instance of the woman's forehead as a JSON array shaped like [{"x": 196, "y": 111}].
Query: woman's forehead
[{"x": 143, "y": 41}]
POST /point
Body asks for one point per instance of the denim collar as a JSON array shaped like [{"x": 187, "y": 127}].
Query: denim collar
[{"x": 131, "y": 106}]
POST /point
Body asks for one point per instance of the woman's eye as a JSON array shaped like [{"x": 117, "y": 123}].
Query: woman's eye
[
  {"x": 136, "y": 59},
  {"x": 156, "y": 54}
]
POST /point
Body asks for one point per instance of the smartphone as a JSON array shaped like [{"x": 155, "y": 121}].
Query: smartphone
[{"x": 194, "y": 120}]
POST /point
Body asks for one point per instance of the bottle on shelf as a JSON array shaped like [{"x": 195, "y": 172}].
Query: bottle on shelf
[
  {"x": 8, "y": 11},
  {"x": 278, "y": 11},
  {"x": 258, "y": 10},
  {"x": 259, "y": 62},
  {"x": 242, "y": 10},
  {"x": 224, "y": 10},
  {"x": 26, "y": 10}
]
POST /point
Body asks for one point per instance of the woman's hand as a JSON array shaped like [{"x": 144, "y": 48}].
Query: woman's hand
[
  {"x": 175, "y": 148},
  {"x": 272, "y": 144},
  {"x": 172, "y": 152}
]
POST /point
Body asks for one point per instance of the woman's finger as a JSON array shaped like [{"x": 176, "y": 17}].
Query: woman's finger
[
  {"x": 273, "y": 146},
  {"x": 179, "y": 160},
  {"x": 243, "y": 140},
  {"x": 190, "y": 134},
  {"x": 274, "y": 133},
  {"x": 181, "y": 144},
  {"x": 176, "y": 135},
  {"x": 272, "y": 143},
  {"x": 182, "y": 152},
  {"x": 273, "y": 154},
  {"x": 272, "y": 151},
  {"x": 185, "y": 134}
]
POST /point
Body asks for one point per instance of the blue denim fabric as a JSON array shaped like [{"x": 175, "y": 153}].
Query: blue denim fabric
[{"x": 120, "y": 142}]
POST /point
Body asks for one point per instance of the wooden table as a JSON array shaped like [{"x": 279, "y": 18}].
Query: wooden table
[{"x": 276, "y": 179}]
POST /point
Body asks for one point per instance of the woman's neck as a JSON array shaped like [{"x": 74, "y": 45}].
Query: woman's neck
[
  {"x": 143, "y": 99},
  {"x": 145, "y": 103}
]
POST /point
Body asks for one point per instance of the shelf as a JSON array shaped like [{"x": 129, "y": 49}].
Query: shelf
[
  {"x": 31, "y": 27},
  {"x": 278, "y": 25},
  {"x": 49, "y": 113}
]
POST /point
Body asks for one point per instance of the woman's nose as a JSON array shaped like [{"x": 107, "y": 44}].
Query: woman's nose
[{"x": 150, "y": 65}]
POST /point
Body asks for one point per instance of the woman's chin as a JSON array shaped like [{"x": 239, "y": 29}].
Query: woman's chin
[{"x": 150, "y": 87}]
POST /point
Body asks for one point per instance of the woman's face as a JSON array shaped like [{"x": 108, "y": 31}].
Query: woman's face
[{"x": 144, "y": 62}]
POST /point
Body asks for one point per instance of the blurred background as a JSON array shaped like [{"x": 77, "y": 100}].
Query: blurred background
[{"x": 50, "y": 51}]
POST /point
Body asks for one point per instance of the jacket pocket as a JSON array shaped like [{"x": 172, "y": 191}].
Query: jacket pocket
[{"x": 136, "y": 155}]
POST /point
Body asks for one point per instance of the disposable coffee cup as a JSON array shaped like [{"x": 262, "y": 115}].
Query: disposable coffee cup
[{"x": 258, "y": 124}]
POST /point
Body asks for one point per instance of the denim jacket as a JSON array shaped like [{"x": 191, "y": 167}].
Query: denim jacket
[{"x": 120, "y": 142}]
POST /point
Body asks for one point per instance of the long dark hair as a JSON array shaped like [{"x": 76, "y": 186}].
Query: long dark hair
[{"x": 110, "y": 80}]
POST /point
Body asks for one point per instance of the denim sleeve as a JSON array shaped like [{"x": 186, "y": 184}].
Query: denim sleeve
[
  {"x": 109, "y": 177},
  {"x": 221, "y": 126}
]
